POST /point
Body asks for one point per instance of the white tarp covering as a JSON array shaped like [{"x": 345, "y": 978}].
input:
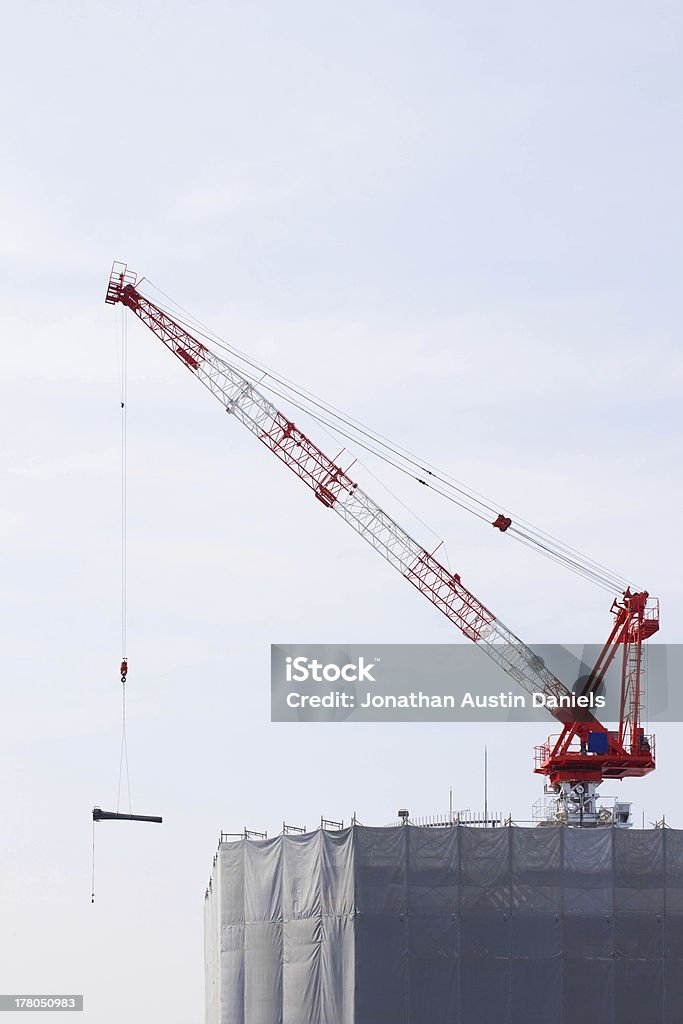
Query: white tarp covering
[{"x": 459, "y": 925}]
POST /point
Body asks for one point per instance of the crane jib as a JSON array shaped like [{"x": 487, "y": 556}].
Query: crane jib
[{"x": 334, "y": 489}]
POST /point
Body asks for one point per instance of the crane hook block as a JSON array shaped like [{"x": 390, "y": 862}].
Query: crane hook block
[
  {"x": 502, "y": 522},
  {"x": 124, "y": 669}
]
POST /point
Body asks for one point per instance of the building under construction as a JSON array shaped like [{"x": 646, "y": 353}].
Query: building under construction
[{"x": 455, "y": 925}]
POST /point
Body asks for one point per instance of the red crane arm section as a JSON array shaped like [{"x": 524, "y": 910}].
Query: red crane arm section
[{"x": 336, "y": 490}]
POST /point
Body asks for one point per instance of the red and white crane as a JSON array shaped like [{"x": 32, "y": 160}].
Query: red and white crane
[{"x": 586, "y": 752}]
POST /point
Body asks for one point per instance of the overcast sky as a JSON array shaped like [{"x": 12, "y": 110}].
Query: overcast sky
[{"x": 459, "y": 223}]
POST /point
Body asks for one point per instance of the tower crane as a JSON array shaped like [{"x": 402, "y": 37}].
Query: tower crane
[{"x": 586, "y": 752}]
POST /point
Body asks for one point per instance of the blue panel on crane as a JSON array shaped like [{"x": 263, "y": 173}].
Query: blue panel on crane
[{"x": 598, "y": 742}]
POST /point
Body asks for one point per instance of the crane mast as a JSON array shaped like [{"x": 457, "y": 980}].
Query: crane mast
[{"x": 336, "y": 490}]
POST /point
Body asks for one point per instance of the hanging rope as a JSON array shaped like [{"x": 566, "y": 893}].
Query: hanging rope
[
  {"x": 92, "y": 891},
  {"x": 124, "y": 483},
  {"x": 123, "y": 754}
]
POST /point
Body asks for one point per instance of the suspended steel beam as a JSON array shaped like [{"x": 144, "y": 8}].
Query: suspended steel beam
[{"x": 99, "y": 815}]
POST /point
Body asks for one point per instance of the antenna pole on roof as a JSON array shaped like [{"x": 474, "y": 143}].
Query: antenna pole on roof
[{"x": 486, "y": 788}]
